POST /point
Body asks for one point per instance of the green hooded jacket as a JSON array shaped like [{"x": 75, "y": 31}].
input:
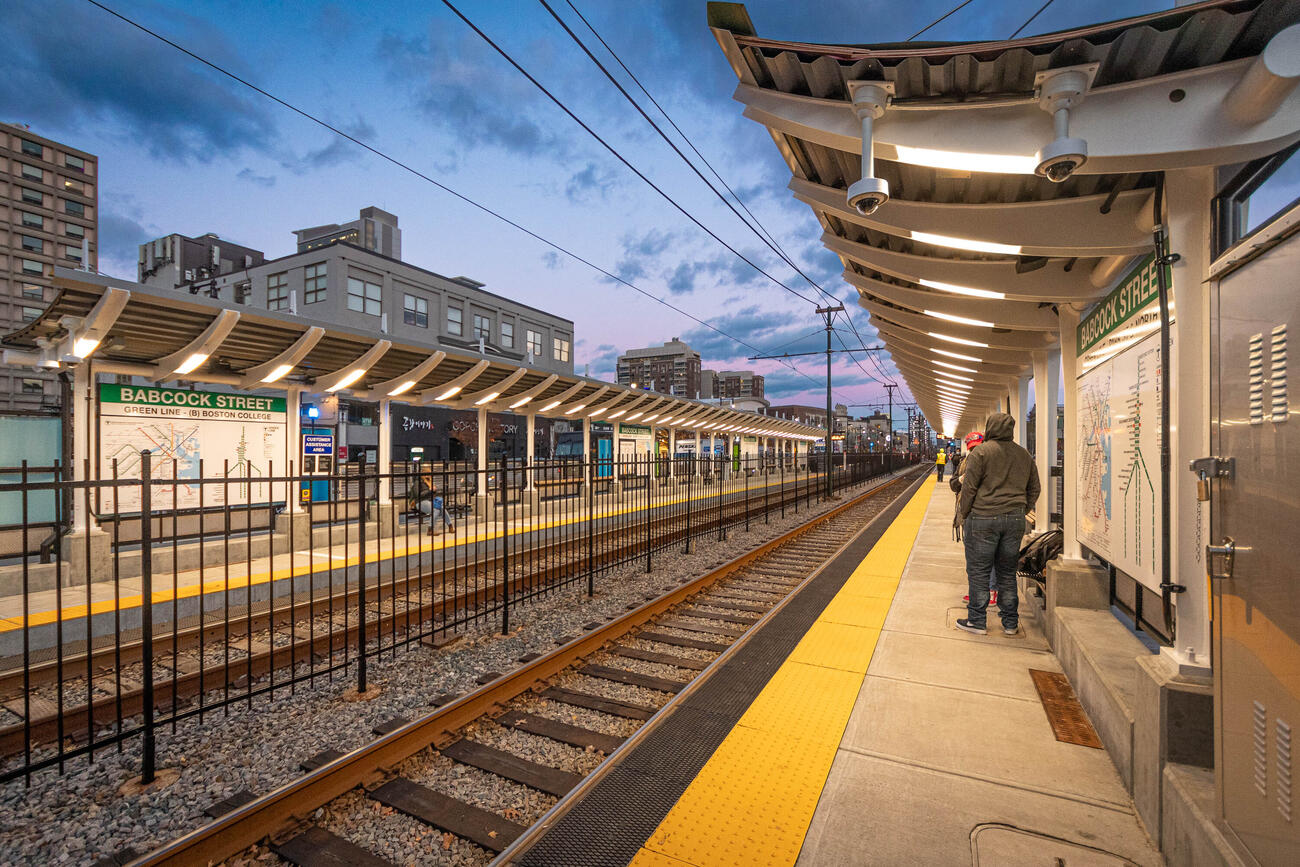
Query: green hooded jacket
[{"x": 999, "y": 476}]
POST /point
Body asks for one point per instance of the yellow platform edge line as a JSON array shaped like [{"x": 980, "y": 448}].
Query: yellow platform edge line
[
  {"x": 752, "y": 802},
  {"x": 237, "y": 582}
]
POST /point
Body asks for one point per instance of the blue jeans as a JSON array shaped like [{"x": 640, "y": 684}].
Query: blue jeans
[{"x": 993, "y": 544}]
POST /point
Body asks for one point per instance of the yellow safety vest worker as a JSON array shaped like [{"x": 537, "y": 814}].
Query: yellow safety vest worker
[{"x": 941, "y": 458}]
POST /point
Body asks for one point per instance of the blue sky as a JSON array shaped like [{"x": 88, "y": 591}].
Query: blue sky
[{"x": 183, "y": 149}]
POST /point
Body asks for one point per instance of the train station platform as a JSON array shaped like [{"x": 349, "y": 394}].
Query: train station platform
[{"x": 857, "y": 725}]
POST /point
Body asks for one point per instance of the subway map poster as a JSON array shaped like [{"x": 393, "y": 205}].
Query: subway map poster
[
  {"x": 189, "y": 434},
  {"x": 1118, "y": 512}
]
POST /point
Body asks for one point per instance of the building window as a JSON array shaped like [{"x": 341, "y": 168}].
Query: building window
[
  {"x": 71, "y": 186},
  {"x": 534, "y": 342},
  {"x": 561, "y": 349},
  {"x": 454, "y": 320},
  {"x": 277, "y": 292},
  {"x": 32, "y": 245},
  {"x": 33, "y": 386},
  {"x": 72, "y": 230},
  {"x": 507, "y": 335},
  {"x": 74, "y": 163},
  {"x": 32, "y": 149},
  {"x": 73, "y": 253},
  {"x": 30, "y": 314},
  {"x": 482, "y": 327},
  {"x": 33, "y": 221},
  {"x": 31, "y": 172},
  {"x": 33, "y": 290},
  {"x": 32, "y": 197},
  {"x": 314, "y": 284},
  {"x": 415, "y": 311},
  {"x": 363, "y": 296},
  {"x": 31, "y": 266},
  {"x": 76, "y": 209}
]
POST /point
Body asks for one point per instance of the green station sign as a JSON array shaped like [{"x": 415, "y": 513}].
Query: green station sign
[
  {"x": 1138, "y": 289},
  {"x": 634, "y": 430},
  {"x": 212, "y": 404}
]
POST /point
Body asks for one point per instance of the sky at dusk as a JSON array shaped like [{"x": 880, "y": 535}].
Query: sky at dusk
[{"x": 185, "y": 149}]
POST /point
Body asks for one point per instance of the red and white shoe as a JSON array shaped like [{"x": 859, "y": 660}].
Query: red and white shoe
[{"x": 993, "y": 597}]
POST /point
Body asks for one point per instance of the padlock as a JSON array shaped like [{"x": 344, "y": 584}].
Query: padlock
[{"x": 1203, "y": 489}]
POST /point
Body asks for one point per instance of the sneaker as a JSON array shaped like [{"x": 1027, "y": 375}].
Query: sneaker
[
  {"x": 966, "y": 599},
  {"x": 993, "y": 597},
  {"x": 1015, "y": 630},
  {"x": 966, "y": 626}
]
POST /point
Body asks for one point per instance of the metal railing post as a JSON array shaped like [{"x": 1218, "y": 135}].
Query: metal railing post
[
  {"x": 694, "y": 459},
  {"x": 361, "y": 572},
  {"x": 148, "y": 761},
  {"x": 591, "y": 540},
  {"x": 648, "y": 566},
  {"x": 747, "y": 471},
  {"x": 505, "y": 547}
]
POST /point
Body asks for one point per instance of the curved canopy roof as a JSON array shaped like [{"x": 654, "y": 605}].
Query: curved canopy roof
[
  {"x": 965, "y": 268},
  {"x": 130, "y": 328}
]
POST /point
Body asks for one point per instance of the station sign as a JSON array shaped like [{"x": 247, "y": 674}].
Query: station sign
[
  {"x": 1138, "y": 290},
  {"x": 634, "y": 430},
  {"x": 317, "y": 453}
]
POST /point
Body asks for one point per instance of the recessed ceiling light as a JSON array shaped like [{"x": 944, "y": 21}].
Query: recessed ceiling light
[
  {"x": 960, "y": 320},
  {"x": 966, "y": 244},
  {"x": 962, "y": 290}
]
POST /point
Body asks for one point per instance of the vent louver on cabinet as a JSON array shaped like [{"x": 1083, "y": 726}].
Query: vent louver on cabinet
[
  {"x": 1259, "y": 730},
  {"x": 1277, "y": 374},
  {"x": 1282, "y": 752},
  {"x": 1256, "y": 379}
]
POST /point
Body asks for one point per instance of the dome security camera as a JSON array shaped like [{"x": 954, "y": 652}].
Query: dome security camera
[
  {"x": 868, "y": 194},
  {"x": 1060, "y": 159}
]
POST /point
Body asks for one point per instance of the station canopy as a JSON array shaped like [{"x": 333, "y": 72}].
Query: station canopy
[
  {"x": 964, "y": 267},
  {"x": 127, "y": 328}
]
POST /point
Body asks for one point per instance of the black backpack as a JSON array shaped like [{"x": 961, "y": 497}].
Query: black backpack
[{"x": 1043, "y": 548}]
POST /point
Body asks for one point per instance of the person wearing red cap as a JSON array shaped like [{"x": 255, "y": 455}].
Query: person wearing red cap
[{"x": 1000, "y": 485}]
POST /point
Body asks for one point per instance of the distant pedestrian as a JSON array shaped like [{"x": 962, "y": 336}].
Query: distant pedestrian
[
  {"x": 940, "y": 460},
  {"x": 1000, "y": 485},
  {"x": 431, "y": 505}
]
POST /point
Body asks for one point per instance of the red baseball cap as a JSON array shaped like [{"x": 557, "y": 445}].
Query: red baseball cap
[{"x": 973, "y": 439}]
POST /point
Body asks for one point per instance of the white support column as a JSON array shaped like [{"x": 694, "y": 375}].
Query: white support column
[
  {"x": 1047, "y": 375},
  {"x": 385, "y": 467},
  {"x": 1020, "y": 407},
  {"x": 531, "y": 448},
  {"x": 699, "y": 449},
  {"x": 483, "y": 454},
  {"x": 672, "y": 450},
  {"x": 293, "y": 447},
  {"x": 586, "y": 452},
  {"x": 1188, "y": 214},
  {"x": 1069, "y": 323},
  {"x": 83, "y": 412}
]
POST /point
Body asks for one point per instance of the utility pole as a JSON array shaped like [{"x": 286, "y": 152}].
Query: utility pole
[
  {"x": 829, "y": 314},
  {"x": 890, "y": 440}
]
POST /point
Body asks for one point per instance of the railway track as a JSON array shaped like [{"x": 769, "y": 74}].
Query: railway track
[
  {"x": 540, "y": 728},
  {"x": 258, "y": 644}
]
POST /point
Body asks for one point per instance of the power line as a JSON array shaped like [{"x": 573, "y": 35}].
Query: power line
[
  {"x": 765, "y": 234},
  {"x": 412, "y": 170},
  {"x": 1030, "y": 20},
  {"x": 952, "y": 11},
  {"x": 505, "y": 55}
]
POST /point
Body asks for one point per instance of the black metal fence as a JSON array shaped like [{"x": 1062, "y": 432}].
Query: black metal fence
[{"x": 189, "y": 595}]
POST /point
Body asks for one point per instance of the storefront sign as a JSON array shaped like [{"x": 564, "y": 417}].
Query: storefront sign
[{"x": 634, "y": 430}]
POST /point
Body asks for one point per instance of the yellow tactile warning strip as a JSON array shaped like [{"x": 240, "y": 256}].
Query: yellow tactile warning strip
[
  {"x": 129, "y": 600},
  {"x": 752, "y": 802}
]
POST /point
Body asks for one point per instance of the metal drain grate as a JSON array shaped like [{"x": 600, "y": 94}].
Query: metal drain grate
[{"x": 1069, "y": 723}]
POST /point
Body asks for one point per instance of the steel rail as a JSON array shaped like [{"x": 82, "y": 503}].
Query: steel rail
[{"x": 288, "y": 805}]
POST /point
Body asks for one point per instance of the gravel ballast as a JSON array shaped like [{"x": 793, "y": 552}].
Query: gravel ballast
[{"x": 78, "y": 817}]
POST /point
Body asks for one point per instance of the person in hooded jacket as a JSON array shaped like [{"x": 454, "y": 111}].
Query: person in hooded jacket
[{"x": 999, "y": 486}]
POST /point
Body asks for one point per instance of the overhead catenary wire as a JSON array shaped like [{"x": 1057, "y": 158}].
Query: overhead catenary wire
[
  {"x": 428, "y": 179},
  {"x": 947, "y": 14},
  {"x": 1029, "y": 20},
  {"x": 505, "y": 55},
  {"x": 756, "y": 226}
]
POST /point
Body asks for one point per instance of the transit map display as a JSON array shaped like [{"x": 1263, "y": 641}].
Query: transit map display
[
  {"x": 1118, "y": 511},
  {"x": 190, "y": 434}
]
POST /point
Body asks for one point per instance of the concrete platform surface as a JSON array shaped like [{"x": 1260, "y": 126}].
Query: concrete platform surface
[{"x": 948, "y": 757}]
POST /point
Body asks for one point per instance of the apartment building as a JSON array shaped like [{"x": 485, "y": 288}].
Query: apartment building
[
  {"x": 343, "y": 283},
  {"x": 673, "y": 368},
  {"x": 373, "y": 229},
  {"x": 48, "y": 216}
]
